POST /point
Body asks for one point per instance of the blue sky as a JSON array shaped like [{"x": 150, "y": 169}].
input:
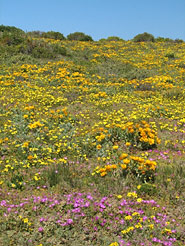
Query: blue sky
[{"x": 98, "y": 18}]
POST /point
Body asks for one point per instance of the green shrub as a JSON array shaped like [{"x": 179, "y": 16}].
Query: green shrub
[
  {"x": 161, "y": 39},
  {"x": 144, "y": 37},
  {"x": 9, "y": 38},
  {"x": 102, "y": 40},
  {"x": 135, "y": 73},
  {"x": 53, "y": 35},
  {"x": 41, "y": 49},
  {"x": 22, "y": 59},
  {"x": 11, "y": 29},
  {"x": 147, "y": 188},
  {"x": 35, "y": 34},
  {"x": 170, "y": 55},
  {"x": 174, "y": 94},
  {"x": 43, "y": 52},
  {"x": 114, "y": 38},
  {"x": 79, "y": 36},
  {"x": 59, "y": 50},
  {"x": 10, "y": 35},
  {"x": 179, "y": 41}
]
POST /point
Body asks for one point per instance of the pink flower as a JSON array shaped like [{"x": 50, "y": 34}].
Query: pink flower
[{"x": 40, "y": 229}]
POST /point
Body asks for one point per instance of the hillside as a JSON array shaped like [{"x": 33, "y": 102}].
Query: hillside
[{"x": 91, "y": 141}]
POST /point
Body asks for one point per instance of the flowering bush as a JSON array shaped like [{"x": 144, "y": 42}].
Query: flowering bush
[{"x": 143, "y": 169}]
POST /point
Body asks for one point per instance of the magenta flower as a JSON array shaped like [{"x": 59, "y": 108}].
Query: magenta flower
[
  {"x": 40, "y": 229},
  {"x": 69, "y": 221}
]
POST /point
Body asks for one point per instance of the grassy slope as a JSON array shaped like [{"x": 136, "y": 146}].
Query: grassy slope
[{"x": 64, "y": 120}]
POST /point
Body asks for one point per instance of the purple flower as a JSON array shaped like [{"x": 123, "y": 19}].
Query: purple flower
[
  {"x": 89, "y": 197},
  {"x": 3, "y": 203},
  {"x": 40, "y": 229},
  {"x": 102, "y": 205},
  {"x": 69, "y": 221},
  {"x": 42, "y": 219}
]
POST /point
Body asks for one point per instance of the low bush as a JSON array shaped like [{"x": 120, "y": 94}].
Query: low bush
[
  {"x": 53, "y": 35},
  {"x": 144, "y": 37},
  {"x": 79, "y": 36},
  {"x": 41, "y": 49},
  {"x": 114, "y": 38}
]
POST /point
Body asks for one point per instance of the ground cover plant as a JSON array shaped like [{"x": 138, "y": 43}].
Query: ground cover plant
[{"x": 92, "y": 142}]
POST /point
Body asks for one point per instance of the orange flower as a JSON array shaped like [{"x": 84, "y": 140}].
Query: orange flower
[
  {"x": 30, "y": 157},
  {"x": 126, "y": 161},
  {"x": 108, "y": 167},
  {"x": 123, "y": 156},
  {"x": 130, "y": 129},
  {"x": 103, "y": 174}
]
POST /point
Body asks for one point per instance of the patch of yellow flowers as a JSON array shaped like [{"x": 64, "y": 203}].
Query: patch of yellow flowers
[{"x": 126, "y": 164}]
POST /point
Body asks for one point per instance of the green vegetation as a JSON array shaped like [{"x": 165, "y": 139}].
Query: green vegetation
[
  {"x": 53, "y": 35},
  {"x": 144, "y": 37},
  {"x": 79, "y": 36},
  {"x": 91, "y": 141}
]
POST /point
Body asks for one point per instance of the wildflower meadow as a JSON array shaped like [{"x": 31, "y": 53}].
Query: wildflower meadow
[{"x": 92, "y": 142}]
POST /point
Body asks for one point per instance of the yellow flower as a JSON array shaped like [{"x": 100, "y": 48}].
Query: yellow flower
[
  {"x": 131, "y": 228},
  {"x": 128, "y": 217},
  {"x": 168, "y": 231},
  {"x": 115, "y": 147},
  {"x": 114, "y": 244},
  {"x": 25, "y": 220},
  {"x": 98, "y": 146},
  {"x": 151, "y": 141},
  {"x": 139, "y": 200},
  {"x": 126, "y": 161},
  {"x": 151, "y": 226},
  {"x": 119, "y": 196},
  {"x": 138, "y": 225},
  {"x": 132, "y": 194},
  {"x": 36, "y": 178},
  {"x": 135, "y": 213},
  {"x": 25, "y": 144},
  {"x": 124, "y": 231},
  {"x": 127, "y": 144},
  {"x": 35, "y": 125},
  {"x": 124, "y": 166}
]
